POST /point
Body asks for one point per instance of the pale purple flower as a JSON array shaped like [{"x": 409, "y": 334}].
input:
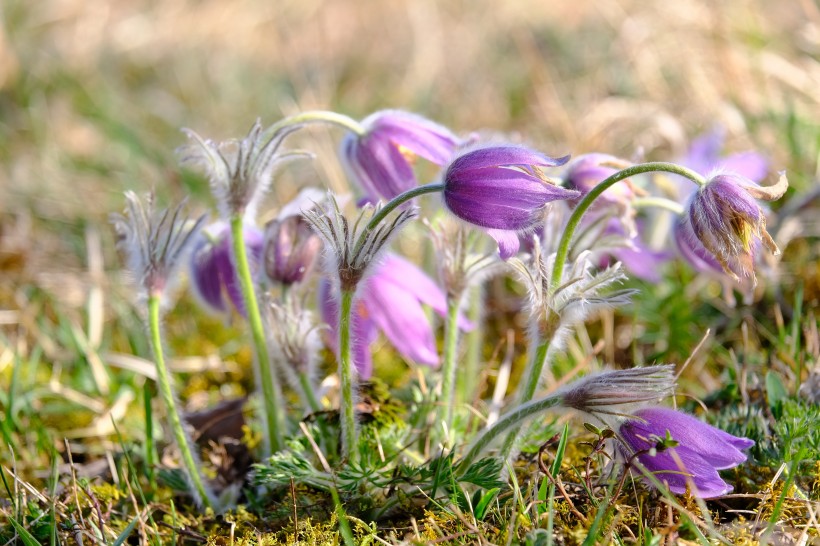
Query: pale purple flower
[
  {"x": 588, "y": 170},
  {"x": 291, "y": 245},
  {"x": 380, "y": 160},
  {"x": 725, "y": 218},
  {"x": 636, "y": 256},
  {"x": 501, "y": 187},
  {"x": 700, "y": 452},
  {"x": 213, "y": 275},
  {"x": 390, "y": 300}
]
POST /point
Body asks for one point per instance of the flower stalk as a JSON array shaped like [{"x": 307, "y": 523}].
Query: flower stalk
[
  {"x": 273, "y": 414},
  {"x": 448, "y": 368},
  {"x": 190, "y": 461},
  {"x": 347, "y": 379}
]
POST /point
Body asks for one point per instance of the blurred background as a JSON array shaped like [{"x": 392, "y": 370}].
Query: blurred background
[{"x": 93, "y": 95}]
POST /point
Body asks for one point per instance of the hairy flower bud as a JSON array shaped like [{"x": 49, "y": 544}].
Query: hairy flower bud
[{"x": 291, "y": 248}]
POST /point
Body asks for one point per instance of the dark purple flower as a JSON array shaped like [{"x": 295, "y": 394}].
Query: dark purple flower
[
  {"x": 381, "y": 159},
  {"x": 391, "y": 300},
  {"x": 501, "y": 187},
  {"x": 700, "y": 452},
  {"x": 725, "y": 218},
  {"x": 212, "y": 271}
]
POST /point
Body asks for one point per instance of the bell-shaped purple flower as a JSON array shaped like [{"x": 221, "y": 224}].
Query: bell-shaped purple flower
[
  {"x": 213, "y": 275},
  {"x": 588, "y": 170},
  {"x": 728, "y": 222},
  {"x": 502, "y": 187},
  {"x": 291, "y": 245},
  {"x": 390, "y": 300},
  {"x": 700, "y": 452},
  {"x": 380, "y": 160}
]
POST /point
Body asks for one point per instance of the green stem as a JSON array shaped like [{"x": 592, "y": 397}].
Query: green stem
[
  {"x": 341, "y": 514},
  {"x": 586, "y": 202},
  {"x": 317, "y": 116},
  {"x": 448, "y": 369},
  {"x": 399, "y": 200},
  {"x": 468, "y": 371},
  {"x": 189, "y": 460},
  {"x": 310, "y": 396},
  {"x": 350, "y": 446},
  {"x": 532, "y": 377},
  {"x": 508, "y": 421},
  {"x": 274, "y": 417},
  {"x": 658, "y": 202}
]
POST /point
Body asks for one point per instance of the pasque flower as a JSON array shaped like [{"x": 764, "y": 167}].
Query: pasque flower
[
  {"x": 704, "y": 156},
  {"x": 588, "y": 170},
  {"x": 725, "y": 218},
  {"x": 380, "y": 160},
  {"x": 291, "y": 245},
  {"x": 502, "y": 187},
  {"x": 700, "y": 452},
  {"x": 213, "y": 275},
  {"x": 390, "y": 301}
]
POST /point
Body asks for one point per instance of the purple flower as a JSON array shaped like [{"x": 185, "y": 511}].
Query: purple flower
[
  {"x": 700, "y": 452},
  {"x": 725, "y": 218},
  {"x": 391, "y": 300},
  {"x": 501, "y": 187},
  {"x": 635, "y": 255},
  {"x": 291, "y": 246},
  {"x": 212, "y": 271},
  {"x": 704, "y": 157},
  {"x": 380, "y": 160},
  {"x": 588, "y": 170}
]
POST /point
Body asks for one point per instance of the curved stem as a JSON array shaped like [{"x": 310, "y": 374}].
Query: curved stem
[
  {"x": 347, "y": 379},
  {"x": 190, "y": 461},
  {"x": 448, "y": 368},
  {"x": 399, "y": 200},
  {"x": 274, "y": 416},
  {"x": 658, "y": 202},
  {"x": 514, "y": 418},
  {"x": 586, "y": 202},
  {"x": 317, "y": 116},
  {"x": 532, "y": 376}
]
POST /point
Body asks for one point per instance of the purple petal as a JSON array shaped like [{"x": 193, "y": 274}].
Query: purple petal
[
  {"x": 363, "y": 329},
  {"x": 508, "y": 242},
  {"x": 750, "y": 165},
  {"x": 205, "y": 276},
  {"x": 420, "y": 136},
  {"x": 504, "y": 156}
]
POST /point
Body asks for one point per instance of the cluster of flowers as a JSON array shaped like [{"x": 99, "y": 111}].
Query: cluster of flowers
[{"x": 500, "y": 188}]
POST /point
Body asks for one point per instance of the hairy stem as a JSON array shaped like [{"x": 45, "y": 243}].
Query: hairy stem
[
  {"x": 512, "y": 419},
  {"x": 190, "y": 461},
  {"x": 586, "y": 202},
  {"x": 448, "y": 368},
  {"x": 274, "y": 415},
  {"x": 347, "y": 378},
  {"x": 317, "y": 116},
  {"x": 399, "y": 200}
]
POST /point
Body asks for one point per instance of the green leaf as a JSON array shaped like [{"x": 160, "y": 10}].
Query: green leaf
[
  {"x": 27, "y": 538},
  {"x": 127, "y": 531},
  {"x": 775, "y": 390},
  {"x": 481, "y": 508}
]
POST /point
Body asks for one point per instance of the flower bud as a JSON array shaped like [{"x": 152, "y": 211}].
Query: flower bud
[{"x": 291, "y": 248}]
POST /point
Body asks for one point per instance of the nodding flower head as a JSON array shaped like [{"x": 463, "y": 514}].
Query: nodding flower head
[
  {"x": 729, "y": 223},
  {"x": 391, "y": 300},
  {"x": 213, "y": 275},
  {"x": 155, "y": 242},
  {"x": 619, "y": 393},
  {"x": 380, "y": 160},
  {"x": 502, "y": 187},
  {"x": 240, "y": 171},
  {"x": 291, "y": 245},
  {"x": 699, "y": 450}
]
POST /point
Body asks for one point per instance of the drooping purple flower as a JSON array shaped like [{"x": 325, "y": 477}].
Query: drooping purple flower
[
  {"x": 390, "y": 300},
  {"x": 380, "y": 160},
  {"x": 700, "y": 452},
  {"x": 635, "y": 255},
  {"x": 725, "y": 219},
  {"x": 213, "y": 275},
  {"x": 502, "y": 187}
]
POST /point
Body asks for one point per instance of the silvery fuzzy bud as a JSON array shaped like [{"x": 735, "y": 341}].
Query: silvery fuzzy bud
[{"x": 291, "y": 245}]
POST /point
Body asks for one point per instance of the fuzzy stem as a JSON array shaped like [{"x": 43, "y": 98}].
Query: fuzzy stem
[
  {"x": 190, "y": 462},
  {"x": 274, "y": 417},
  {"x": 448, "y": 368},
  {"x": 310, "y": 396},
  {"x": 347, "y": 377},
  {"x": 317, "y": 116},
  {"x": 399, "y": 200},
  {"x": 586, "y": 202},
  {"x": 469, "y": 372},
  {"x": 511, "y": 419},
  {"x": 527, "y": 388}
]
